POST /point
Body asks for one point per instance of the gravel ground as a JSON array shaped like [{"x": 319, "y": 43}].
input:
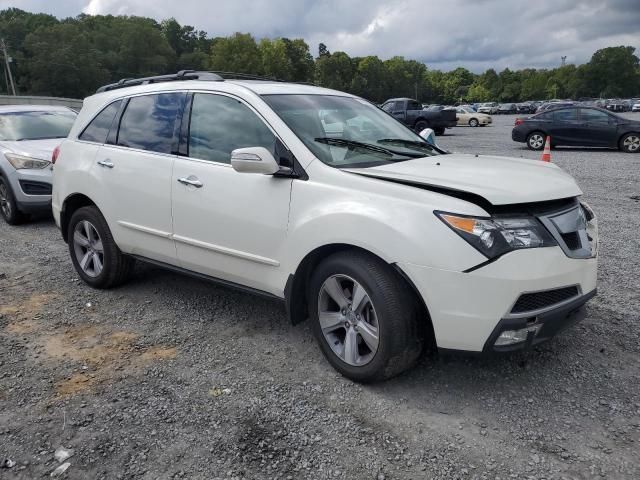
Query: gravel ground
[{"x": 171, "y": 377}]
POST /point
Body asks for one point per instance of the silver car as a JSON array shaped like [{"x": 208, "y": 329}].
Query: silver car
[{"x": 28, "y": 136}]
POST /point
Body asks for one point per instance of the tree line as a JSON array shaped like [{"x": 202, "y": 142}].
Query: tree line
[{"x": 72, "y": 57}]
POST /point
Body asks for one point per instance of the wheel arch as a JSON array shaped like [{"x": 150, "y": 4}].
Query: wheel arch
[
  {"x": 295, "y": 291},
  {"x": 72, "y": 203}
]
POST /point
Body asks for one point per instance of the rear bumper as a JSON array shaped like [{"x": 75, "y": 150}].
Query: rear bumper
[{"x": 518, "y": 135}]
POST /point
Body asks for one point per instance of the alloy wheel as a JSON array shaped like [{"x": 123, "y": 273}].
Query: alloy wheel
[
  {"x": 632, "y": 143},
  {"x": 88, "y": 248},
  {"x": 5, "y": 204},
  {"x": 348, "y": 320},
  {"x": 536, "y": 141}
]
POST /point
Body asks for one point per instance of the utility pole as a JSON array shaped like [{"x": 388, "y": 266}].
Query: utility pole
[
  {"x": 564, "y": 60},
  {"x": 3, "y": 45}
]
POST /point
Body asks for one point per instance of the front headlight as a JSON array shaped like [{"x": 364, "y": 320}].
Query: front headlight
[
  {"x": 21, "y": 162},
  {"x": 496, "y": 236}
]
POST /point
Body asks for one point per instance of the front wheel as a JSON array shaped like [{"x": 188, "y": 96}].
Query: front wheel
[
  {"x": 364, "y": 318},
  {"x": 94, "y": 253},
  {"x": 630, "y": 143},
  {"x": 8, "y": 205},
  {"x": 473, "y": 122},
  {"x": 439, "y": 130},
  {"x": 535, "y": 141}
]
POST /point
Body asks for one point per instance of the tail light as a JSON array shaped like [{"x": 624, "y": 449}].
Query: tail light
[
  {"x": 54, "y": 155},
  {"x": 519, "y": 121}
]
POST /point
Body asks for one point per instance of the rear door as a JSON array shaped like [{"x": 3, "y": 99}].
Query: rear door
[
  {"x": 565, "y": 129},
  {"x": 134, "y": 168},
  {"x": 598, "y": 128},
  {"x": 226, "y": 224}
]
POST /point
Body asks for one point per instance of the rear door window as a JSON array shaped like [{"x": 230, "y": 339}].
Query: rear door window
[
  {"x": 568, "y": 115},
  {"x": 148, "y": 122},
  {"x": 99, "y": 127},
  {"x": 414, "y": 106}
]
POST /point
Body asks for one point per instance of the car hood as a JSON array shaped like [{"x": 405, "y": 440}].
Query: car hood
[
  {"x": 499, "y": 180},
  {"x": 33, "y": 148}
]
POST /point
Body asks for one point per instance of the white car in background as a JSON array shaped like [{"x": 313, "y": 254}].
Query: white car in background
[
  {"x": 320, "y": 199},
  {"x": 490, "y": 108},
  {"x": 636, "y": 107},
  {"x": 28, "y": 135},
  {"x": 467, "y": 116}
]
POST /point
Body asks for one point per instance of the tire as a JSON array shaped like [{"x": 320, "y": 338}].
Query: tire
[
  {"x": 535, "y": 140},
  {"x": 630, "y": 143},
  {"x": 474, "y": 122},
  {"x": 388, "y": 310},
  {"x": 439, "y": 130},
  {"x": 420, "y": 125},
  {"x": 8, "y": 206},
  {"x": 94, "y": 253}
]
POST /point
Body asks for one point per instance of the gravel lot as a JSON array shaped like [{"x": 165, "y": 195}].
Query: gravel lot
[{"x": 171, "y": 377}]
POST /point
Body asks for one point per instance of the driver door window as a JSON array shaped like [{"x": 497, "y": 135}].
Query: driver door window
[{"x": 221, "y": 124}]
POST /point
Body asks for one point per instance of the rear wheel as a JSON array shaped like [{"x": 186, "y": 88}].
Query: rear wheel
[
  {"x": 364, "y": 318},
  {"x": 94, "y": 253},
  {"x": 630, "y": 143},
  {"x": 8, "y": 207},
  {"x": 473, "y": 122},
  {"x": 535, "y": 140}
]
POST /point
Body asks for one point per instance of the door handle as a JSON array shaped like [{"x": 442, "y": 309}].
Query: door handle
[
  {"x": 191, "y": 180},
  {"x": 105, "y": 163}
]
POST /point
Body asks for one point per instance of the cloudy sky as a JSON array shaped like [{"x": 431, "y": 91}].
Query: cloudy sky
[{"x": 476, "y": 34}]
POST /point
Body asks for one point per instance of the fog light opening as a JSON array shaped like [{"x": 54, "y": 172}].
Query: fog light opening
[{"x": 512, "y": 337}]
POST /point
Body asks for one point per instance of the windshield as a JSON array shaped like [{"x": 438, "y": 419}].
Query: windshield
[
  {"x": 347, "y": 132},
  {"x": 35, "y": 125}
]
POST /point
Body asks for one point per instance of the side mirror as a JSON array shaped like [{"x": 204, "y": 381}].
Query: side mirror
[
  {"x": 254, "y": 160},
  {"x": 429, "y": 135}
]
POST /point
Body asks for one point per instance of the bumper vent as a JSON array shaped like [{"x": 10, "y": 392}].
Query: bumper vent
[
  {"x": 35, "y": 188},
  {"x": 529, "y": 302}
]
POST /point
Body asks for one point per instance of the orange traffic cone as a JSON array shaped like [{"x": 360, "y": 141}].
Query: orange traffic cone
[{"x": 546, "y": 153}]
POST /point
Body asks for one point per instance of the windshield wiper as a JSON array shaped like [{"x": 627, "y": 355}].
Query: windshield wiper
[
  {"x": 408, "y": 143},
  {"x": 23, "y": 139},
  {"x": 353, "y": 143}
]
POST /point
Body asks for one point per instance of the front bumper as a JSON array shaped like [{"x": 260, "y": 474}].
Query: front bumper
[
  {"x": 466, "y": 308},
  {"x": 28, "y": 186},
  {"x": 549, "y": 323}
]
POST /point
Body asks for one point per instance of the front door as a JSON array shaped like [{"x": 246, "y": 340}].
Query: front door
[
  {"x": 598, "y": 127},
  {"x": 226, "y": 224}
]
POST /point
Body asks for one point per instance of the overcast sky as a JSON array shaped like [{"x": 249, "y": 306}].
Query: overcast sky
[{"x": 477, "y": 34}]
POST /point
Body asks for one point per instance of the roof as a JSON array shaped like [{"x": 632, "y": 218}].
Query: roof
[{"x": 33, "y": 108}]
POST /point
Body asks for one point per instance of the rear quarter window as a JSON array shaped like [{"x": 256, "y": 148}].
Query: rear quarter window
[{"x": 99, "y": 127}]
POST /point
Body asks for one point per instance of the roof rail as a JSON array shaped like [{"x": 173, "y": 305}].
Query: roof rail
[
  {"x": 243, "y": 76},
  {"x": 181, "y": 75}
]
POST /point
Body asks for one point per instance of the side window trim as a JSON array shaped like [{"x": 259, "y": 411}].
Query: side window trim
[{"x": 112, "y": 136}]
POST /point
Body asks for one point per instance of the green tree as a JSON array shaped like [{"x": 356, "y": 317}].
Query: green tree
[
  {"x": 614, "y": 72},
  {"x": 335, "y": 71},
  {"x": 61, "y": 62},
  {"x": 370, "y": 79},
  {"x": 238, "y": 53}
]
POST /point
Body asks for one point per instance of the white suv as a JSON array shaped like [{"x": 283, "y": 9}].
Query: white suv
[{"x": 319, "y": 198}]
